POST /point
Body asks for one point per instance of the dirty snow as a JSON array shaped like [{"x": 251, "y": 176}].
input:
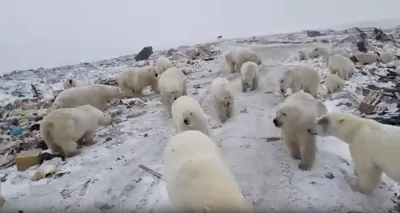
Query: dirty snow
[{"x": 106, "y": 176}]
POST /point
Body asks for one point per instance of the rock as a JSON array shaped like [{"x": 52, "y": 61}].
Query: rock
[
  {"x": 313, "y": 33},
  {"x": 14, "y": 122},
  {"x": 219, "y": 37},
  {"x": 144, "y": 54},
  {"x": 35, "y": 127},
  {"x": 41, "y": 145},
  {"x": 197, "y": 86},
  {"x": 329, "y": 175},
  {"x": 361, "y": 46}
]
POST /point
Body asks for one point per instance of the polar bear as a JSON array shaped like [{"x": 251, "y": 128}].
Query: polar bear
[
  {"x": 334, "y": 83},
  {"x": 222, "y": 97},
  {"x": 96, "y": 95},
  {"x": 342, "y": 66},
  {"x": 302, "y": 55},
  {"x": 61, "y": 129},
  {"x": 302, "y": 77},
  {"x": 133, "y": 80},
  {"x": 172, "y": 85},
  {"x": 249, "y": 76},
  {"x": 386, "y": 57},
  {"x": 187, "y": 114},
  {"x": 373, "y": 146},
  {"x": 197, "y": 178},
  {"x": 238, "y": 55},
  {"x": 364, "y": 58},
  {"x": 70, "y": 82},
  {"x": 162, "y": 63},
  {"x": 293, "y": 117},
  {"x": 325, "y": 53}
]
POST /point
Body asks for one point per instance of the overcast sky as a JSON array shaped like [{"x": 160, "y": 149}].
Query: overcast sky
[{"x": 49, "y": 33}]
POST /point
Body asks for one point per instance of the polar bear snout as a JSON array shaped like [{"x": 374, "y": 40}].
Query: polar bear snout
[
  {"x": 186, "y": 121},
  {"x": 311, "y": 131},
  {"x": 277, "y": 122}
]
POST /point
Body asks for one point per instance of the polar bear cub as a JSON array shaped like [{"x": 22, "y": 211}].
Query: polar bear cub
[
  {"x": 172, "y": 85},
  {"x": 249, "y": 76},
  {"x": 365, "y": 58},
  {"x": 133, "y": 80},
  {"x": 162, "y": 63},
  {"x": 386, "y": 57},
  {"x": 334, "y": 83},
  {"x": 70, "y": 82},
  {"x": 61, "y": 129},
  {"x": 187, "y": 114},
  {"x": 197, "y": 178},
  {"x": 374, "y": 147},
  {"x": 239, "y": 55},
  {"x": 222, "y": 97},
  {"x": 302, "y": 77},
  {"x": 96, "y": 95},
  {"x": 293, "y": 117}
]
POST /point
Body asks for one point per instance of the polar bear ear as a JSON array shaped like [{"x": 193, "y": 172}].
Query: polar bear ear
[{"x": 341, "y": 120}]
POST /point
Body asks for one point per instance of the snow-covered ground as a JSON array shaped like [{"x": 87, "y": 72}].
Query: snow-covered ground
[{"x": 106, "y": 177}]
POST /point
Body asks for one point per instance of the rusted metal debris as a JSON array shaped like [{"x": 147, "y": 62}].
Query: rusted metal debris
[{"x": 374, "y": 95}]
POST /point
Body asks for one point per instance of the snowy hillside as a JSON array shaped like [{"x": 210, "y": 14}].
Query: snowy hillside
[{"x": 106, "y": 177}]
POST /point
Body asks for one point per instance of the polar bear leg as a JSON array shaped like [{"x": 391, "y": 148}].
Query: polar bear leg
[
  {"x": 308, "y": 150},
  {"x": 229, "y": 111},
  {"x": 313, "y": 90},
  {"x": 130, "y": 93},
  {"x": 239, "y": 65},
  {"x": 69, "y": 148},
  {"x": 344, "y": 74},
  {"x": 154, "y": 86},
  {"x": 53, "y": 147},
  {"x": 184, "y": 89},
  {"x": 369, "y": 175},
  {"x": 244, "y": 86},
  {"x": 294, "y": 88},
  {"x": 221, "y": 112},
  {"x": 167, "y": 108},
  {"x": 230, "y": 63},
  {"x": 292, "y": 145},
  {"x": 254, "y": 84},
  {"x": 88, "y": 138}
]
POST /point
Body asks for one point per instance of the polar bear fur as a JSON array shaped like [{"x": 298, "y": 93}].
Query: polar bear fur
[
  {"x": 334, "y": 83},
  {"x": 293, "y": 117},
  {"x": 386, "y": 57},
  {"x": 239, "y": 55},
  {"x": 302, "y": 55},
  {"x": 133, "y": 80},
  {"x": 300, "y": 78},
  {"x": 325, "y": 53},
  {"x": 162, "y": 63},
  {"x": 373, "y": 146},
  {"x": 190, "y": 158},
  {"x": 172, "y": 85},
  {"x": 222, "y": 97},
  {"x": 187, "y": 114},
  {"x": 365, "y": 58},
  {"x": 61, "y": 129},
  {"x": 70, "y": 82},
  {"x": 96, "y": 95},
  {"x": 249, "y": 74},
  {"x": 341, "y": 66}
]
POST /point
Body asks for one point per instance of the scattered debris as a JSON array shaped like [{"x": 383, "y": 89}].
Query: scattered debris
[
  {"x": 154, "y": 173},
  {"x": 26, "y": 159},
  {"x": 313, "y": 33}
]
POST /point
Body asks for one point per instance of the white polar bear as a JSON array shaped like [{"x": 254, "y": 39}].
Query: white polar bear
[
  {"x": 197, "y": 178},
  {"x": 323, "y": 52},
  {"x": 364, "y": 58},
  {"x": 187, "y": 114},
  {"x": 334, "y": 83},
  {"x": 249, "y": 74},
  {"x": 341, "y": 66},
  {"x": 61, "y": 129},
  {"x": 133, "y": 80},
  {"x": 294, "y": 116},
  {"x": 238, "y": 55},
  {"x": 222, "y": 97},
  {"x": 70, "y": 82},
  {"x": 96, "y": 95},
  {"x": 162, "y": 63},
  {"x": 374, "y": 147},
  {"x": 302, "y": 55},
  {"x": 386, "y": 57},
  {"x": 300, "y": 78},
  {"x": 172, "y": 85}
]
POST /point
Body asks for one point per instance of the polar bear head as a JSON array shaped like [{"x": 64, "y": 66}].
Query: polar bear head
[
  {"x": 317, "y": 52},
  {"x": 286, "y": 115},
  {"x": 256, "y": 58},
  {"x": 285, "y": 81},
  {"x": 69, "y": 82},
  {"x": 340, "y": 125},
  {"x": 112, "y": 92},
  {"x": 190, "y": 118},
  {"x": 103, "y": 119},
  {"x": 153, "y": 71}
]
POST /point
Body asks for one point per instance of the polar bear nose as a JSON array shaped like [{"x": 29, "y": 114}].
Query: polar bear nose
[
  {"x": 186, "y": 121},
  {"x": 228, "y": 103},
  {"x": 276, "y": 122},
  {"x": 311, "y": 132}
]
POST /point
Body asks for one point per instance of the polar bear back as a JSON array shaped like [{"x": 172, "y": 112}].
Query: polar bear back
[
  {"x": 304, "y": 75},
  {"x": 172, "y": 79},
  {"x": 337, "y": 62},
  {"x": 189, "y": 159},
  {"x": 90, "y": 94},
  {"x": 249, "y": 71}
]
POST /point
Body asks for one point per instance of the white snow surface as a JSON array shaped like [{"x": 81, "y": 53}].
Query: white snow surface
[{"x": 106, "y": 176}]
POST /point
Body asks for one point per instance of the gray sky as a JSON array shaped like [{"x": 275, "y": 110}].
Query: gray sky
[{"x": 51, "y": 33}]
